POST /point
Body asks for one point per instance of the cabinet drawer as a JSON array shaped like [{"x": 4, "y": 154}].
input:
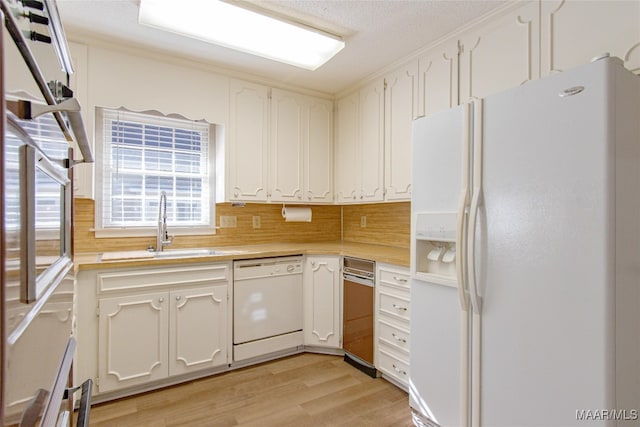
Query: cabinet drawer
[
  {"x": 394, "y": 279},
  {"x": 394, "y": 306},
  {"x": 393, "y": 366},
  {"x": 162, "y": 277},
  {"x": 393, "y": 336}
]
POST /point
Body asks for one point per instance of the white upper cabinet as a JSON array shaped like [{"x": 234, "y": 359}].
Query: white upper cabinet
[
  {"x": 287, "y": 133},
  {"x": 573, "y": 32},
  {"x": 360, "y": 145},
  {"x": 501, "y": 54},
  {"x": 347, "y": 118},
  {"x": 318, "y": 152},
  {"x": 401, "y": 108},
  {"x": 248, "y": 142},
  {"x": 371, "y": 150},
  {"x": 438, "y": 79},
  {"x": 300, "y": 148}
]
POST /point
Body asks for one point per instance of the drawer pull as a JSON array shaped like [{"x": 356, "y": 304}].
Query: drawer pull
[
  {"x": 400, "y": 279},
  {"x": 399, "y": 307},
  {"x": 397, "y": 338},
  {"x": 398, "y": 370}
]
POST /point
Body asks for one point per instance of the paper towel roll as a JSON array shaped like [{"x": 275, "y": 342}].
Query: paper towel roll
[{"x": 296, "y": 214}]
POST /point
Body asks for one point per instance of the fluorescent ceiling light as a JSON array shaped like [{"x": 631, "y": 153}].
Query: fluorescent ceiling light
[{"x": 241, "y": 29}]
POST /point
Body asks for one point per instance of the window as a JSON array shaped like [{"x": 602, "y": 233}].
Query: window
[
  {"x": 45, "y": 132},
  {"x": 145, "y": 154}
]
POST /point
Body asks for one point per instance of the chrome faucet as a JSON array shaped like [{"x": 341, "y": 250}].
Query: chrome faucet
[{"x": 162, "y": 235}]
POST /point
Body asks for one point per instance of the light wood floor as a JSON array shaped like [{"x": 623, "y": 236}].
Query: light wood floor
[{"x": 301, "y": 390}]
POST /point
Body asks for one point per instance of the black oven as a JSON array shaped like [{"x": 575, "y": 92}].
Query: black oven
[{"x": 38, "y": 127}]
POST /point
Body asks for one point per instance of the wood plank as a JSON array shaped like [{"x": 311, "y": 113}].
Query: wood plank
[{"x": 301, "y": 390}]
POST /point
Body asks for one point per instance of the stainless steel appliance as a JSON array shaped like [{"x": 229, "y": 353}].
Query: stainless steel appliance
[
  {"x": 358, "y": 277},
  {"x": 267, "y": 306},
  {"x": 39, "y": 120}
]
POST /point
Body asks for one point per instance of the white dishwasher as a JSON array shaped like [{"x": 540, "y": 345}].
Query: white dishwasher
[{"x": 267, "y": 306}]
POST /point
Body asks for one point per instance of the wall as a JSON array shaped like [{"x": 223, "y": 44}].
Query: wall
[
  {"x": 386, "y": 223},
  {"x": 324, "y": 226}
]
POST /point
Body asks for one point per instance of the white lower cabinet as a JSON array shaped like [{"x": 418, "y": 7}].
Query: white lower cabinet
[
  {"x": 152, "y": 324},
  {"x": 322, "y": 307},
  {"x": 197, "y": 329},
  {"x": 132, "y": 348},
  {"x": 392, "y": 323}
]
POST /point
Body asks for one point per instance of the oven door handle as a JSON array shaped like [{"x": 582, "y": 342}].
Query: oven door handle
[
  {"x": 358, "y": 280},
  {"x": 85, "y": 401}
]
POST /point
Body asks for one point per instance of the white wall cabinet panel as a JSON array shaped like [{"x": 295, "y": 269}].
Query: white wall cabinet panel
[
  {"x": 401, "y": 108},
  {"x": 287, "y": 134},
  {"x": 346, "y": 148},
  {"x": 573, "y": 32},
  {"x": 438, "y": 79},
  {"x": 360, "y": 145},
  {"x": 133, "y": 340},
  {"x": 248, "y": 142},
  {"x": 301, "y": 148},
  {"x": 322, "y": 308},
  {"x": 318, "y": 153},
  {"x": 198, "y": 329},
  {"x": 500, "y": 55},
  {"x": 371, "y": 150}
]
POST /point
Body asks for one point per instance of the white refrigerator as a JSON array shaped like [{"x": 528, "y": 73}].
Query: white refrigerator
[{"x": 525, "y": 255}]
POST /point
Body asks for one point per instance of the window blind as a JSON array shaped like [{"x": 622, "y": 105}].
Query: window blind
[
  {"x": 45, "y": 132},
  {"x": 144, "y": 155}
]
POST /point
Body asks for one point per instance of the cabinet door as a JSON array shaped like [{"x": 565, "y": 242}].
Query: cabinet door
[
  {"x": 573, "y": 32},
  {"x": 248, "y": 142},
  {"x": 502, "y": 54},
  {"x": 198, "y": 329},
  {"x": 346, "y": 148},
  {"x": 133, "y": 335},
  {"x": 438, "y": 79},
  {"x": 371, "y": 150},
  {"x": 401, "y": 105},
  {"x": 318, "y": 153},
  {"x": 288, "y": 114},
  {"x": 322, "y": 311}
]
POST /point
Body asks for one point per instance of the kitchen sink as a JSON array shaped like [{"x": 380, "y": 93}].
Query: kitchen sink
[
  {"x": 193, "y": 252},
  {"x": 186, "y": 253}
]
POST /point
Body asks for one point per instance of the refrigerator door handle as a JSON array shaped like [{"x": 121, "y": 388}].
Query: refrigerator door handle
[
  {"x": 476, "y": 301},
  {"x": 462, "y": 211}
]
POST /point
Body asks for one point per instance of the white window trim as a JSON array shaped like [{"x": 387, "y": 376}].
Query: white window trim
[{"x": 110, "y": 232}]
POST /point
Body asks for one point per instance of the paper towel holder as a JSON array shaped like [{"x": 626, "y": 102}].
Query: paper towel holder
[{"x": 297, "y": 214}]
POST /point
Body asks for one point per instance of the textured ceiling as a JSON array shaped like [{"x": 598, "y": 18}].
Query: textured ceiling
[{"x": 376, "y": 33}]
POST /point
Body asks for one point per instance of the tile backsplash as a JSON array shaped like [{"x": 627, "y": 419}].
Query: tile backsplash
[{"x": 386, "y": 223}]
